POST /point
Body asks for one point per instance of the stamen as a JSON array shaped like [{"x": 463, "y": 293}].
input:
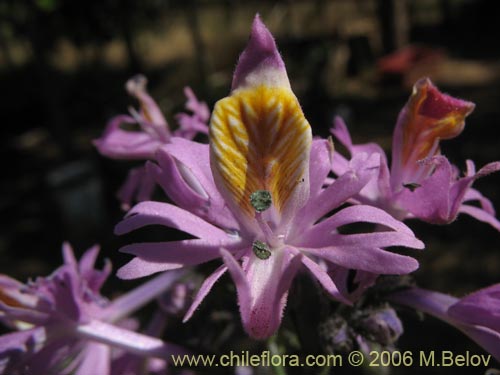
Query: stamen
[
  {"x": 261, "y": 250},
  {"x": 261, "y": 200}
]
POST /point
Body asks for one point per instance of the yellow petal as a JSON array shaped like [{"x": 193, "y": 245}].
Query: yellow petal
[{"x": 260, "y": 140}]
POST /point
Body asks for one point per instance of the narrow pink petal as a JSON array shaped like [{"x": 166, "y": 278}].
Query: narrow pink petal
[
  {"x": 484, "y": 337},
  {"x": 69, "y": 256},
  {"x": 87, "y": 261},
  {"x": 127, "y": 192},
  {"x": 117, "y": 143},
  {"x": 18, "y": 341},
  {"x": 320, "y": 164},
  {"x": 31, "y": 316},
  {"x": 130, "y": 341},
  {"x": 350, "y": 215},
  {"x": 242, "y": 286},
  {"x": 205, "y": 288},
  {"x": 184, "y": 252},
  {"x": 479, "y": 308},
  {"x": 459, "y": 189},
  {"x": 133, "y": 300},
  {"x": 96, "y": 360},
  {"x": 433, "y": 303},
  {"x": 150, "y": 112},
  {"x": 437, "y": 305},
  {"x": 480, "y": 214},
  {"x": 340, "y": 131},
  {"x": 138, "y": 267},
  {"x": 377, "y": 239},
  {"x": 362, "y": 169},
  {"x": 366, "y": 259},
  {"x": 151, "y": 213},
  {"x": 430, "y": 201},
  {"x": 200, "y": 109},
  {"x": 324, "y": 279},
  {"x": 95, "y": 278},
  {"x": 474, "y": 195}
]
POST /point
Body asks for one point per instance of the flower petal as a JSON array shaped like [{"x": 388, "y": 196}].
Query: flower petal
[
  {"x": 205, "y": 288},
  {"x": 117, "y": 143},
  {"x": 139, "y": 186},
  {"x": 259, "y": 137},
  {"x": 480, "y": 214},
  {"x": 130, "y": 302},
  {"x": 260, "y": 63},
  {"x": 428, "y": 117},
  {"x": 138, "y": 267},
  {"x": 94, "y": 278},
  {"x": 151, "y": 213},
  {"x": 95, "y": 359},
  {"x": 362, "y": 169},
  {"x": 324, "y": 279},
  {"x": 366, "y": 258},
  {"x": 320, "y": 164},
  {"x": 150, "y": 112},
  {"x": 349, "y": 215},
  {"x": 430, "y": 201},
  {"x": 184, "y": 252},
  {"x": 479, "y": 308},
  {"x": 190, "y": 186},
  {"x": 262, "y": 289},
  {"x": 131, "y": 341}
]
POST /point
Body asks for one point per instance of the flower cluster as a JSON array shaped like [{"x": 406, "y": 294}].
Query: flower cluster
[
  {"x": 267, "y": 201},
  {"x": 63, "y": 324}
]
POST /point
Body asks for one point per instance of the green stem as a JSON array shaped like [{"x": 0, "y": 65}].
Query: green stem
[{"x": 272, "y": 345}]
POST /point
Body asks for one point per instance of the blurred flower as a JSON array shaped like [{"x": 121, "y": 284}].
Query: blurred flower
[
  {"x": 363, "y": 328},
  {"x": 265, "y": 167},
  {"x": 422, "y": 183},
  {"x": 197, "y": 121},
  {"x": 118, "y": 143},
  {"x": 381, "y": 325},
  {"x": 153, "y": 133},
  {"x": 66, "y": 326},
  {"x": 177, "y": 299},
  {"x": 477, "y": 315}
]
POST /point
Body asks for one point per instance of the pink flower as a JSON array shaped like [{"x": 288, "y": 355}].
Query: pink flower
[
  {"x": 153, "y": 133},
  {"x": 476, "y": 315},
  {"x": 255, "y": 198},
  {"x": 421, "y": 183},
  {"x": 64, "y": 325}
]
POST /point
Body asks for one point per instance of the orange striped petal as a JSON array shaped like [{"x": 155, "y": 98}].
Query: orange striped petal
[
  {"x": 428, "y": 117},
  {"x": 260, "y": 140}
]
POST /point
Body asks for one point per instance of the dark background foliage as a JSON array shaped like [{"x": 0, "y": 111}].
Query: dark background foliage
[{"x": 63, "y": 65}]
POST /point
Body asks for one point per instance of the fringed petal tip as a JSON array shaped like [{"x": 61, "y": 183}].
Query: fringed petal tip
[{"x": 260, "y": 63}]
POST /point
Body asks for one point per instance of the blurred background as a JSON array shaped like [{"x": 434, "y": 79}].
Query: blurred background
[{"x": 63, "y": 66}]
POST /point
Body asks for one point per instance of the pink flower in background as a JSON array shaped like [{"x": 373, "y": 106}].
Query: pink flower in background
[
  {"x": 264, "y": 168},
  {"x": 142, "y": 144},
  {"x": 476, "y": 315},
  {"x": 421, "y": 183},
  {"x": 65, "y": 326},
  {"x": 195, "y": 122}
]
